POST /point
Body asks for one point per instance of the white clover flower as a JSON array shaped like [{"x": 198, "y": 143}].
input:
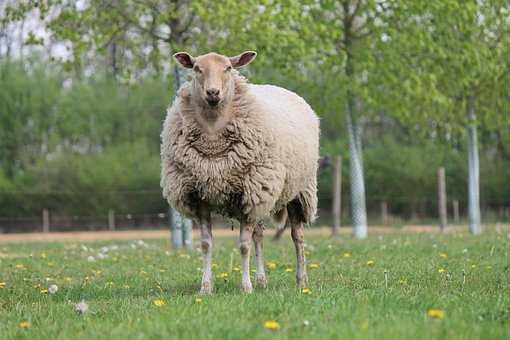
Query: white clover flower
[
  {"x": 81, "y": 307},
  {"x": 52, "y": 289},
  {"x": 104, "y": 250},
  {"x": 101, "y": 256},
  {"x": 91, "y": 258}
]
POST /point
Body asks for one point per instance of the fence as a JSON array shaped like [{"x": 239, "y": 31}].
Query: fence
[{"x": 117, "y": 210}]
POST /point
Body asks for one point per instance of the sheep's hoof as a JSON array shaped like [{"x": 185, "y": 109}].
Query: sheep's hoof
[
  {"x": 261, "y": 281},
  {"x": 246, "y": 287},
  {"x": 206, "y": 288}
]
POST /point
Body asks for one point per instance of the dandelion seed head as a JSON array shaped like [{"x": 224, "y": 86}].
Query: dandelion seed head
[
  {"x": 81, "y": 307},
  {"x": 52, "y": 289}
]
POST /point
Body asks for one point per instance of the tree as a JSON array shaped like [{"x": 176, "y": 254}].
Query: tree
[{"x": 458, "y": 54}]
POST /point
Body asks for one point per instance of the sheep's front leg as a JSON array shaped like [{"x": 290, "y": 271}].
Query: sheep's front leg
[
  {"x": 244, "y": 248},
  {"x": 299, "y": 243},
  {"x": 206, "y": 233},
  {"x": 260, "y": 275}
]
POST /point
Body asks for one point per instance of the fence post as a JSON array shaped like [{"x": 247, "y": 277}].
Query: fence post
[
  {"x": 384, "y": 212},
  {"x": 111, "y": 220},
  {"x": 46, "y": 220},
  {"x": 456, "y": 215},
  {"x": 175, "y": 220},
  {"x": 441, "y": 188},
  {"x": 337, "y": 196}
]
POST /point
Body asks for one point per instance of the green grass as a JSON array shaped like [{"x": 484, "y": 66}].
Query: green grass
[{"x": 349, "y": 299}]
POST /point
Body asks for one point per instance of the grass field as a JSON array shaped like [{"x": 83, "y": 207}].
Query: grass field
[{"x": 384, "y": 287}]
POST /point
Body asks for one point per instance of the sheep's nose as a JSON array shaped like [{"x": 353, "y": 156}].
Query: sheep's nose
[{"x": 213, "y": 92}]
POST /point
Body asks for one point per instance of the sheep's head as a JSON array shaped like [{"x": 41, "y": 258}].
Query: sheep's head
[{"x": 212, "y": 77}]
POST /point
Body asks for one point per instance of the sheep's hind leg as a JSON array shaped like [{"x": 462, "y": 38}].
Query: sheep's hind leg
[
  {"x": 244, "y": 248},
  {"x": 206, "y": 233},
  {"x": 260, "y": 275},
  {"x": 298, "y": 238}
]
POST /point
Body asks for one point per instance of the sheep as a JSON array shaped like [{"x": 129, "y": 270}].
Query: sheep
[{"x": 243, "y": 151}]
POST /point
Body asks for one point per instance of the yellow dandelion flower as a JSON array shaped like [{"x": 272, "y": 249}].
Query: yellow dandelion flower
[
  {"x": 314, "y": 265},
  {"x": 51, "y": 264},
  {"x": 347, "y": 255},
  {"x": 473, "y": 266},
  {"x": 162, "y": 270},
  {"x": 159, "y": 302},
  {"x": 272, "y": 325},
  {"x": 271, "y": 265},
  {"x": 402, "y": 281},
  {"x": 25, "y": 324},
  {"x": 214, "y": 266},
  {"x": 306, "y": 291},
  {"x": 20, "y": 266},
  {"x": 236, "y": 269},
  {"x": 289, "y": 270},
  {"x": 44, "y": 291},
  {"x": 198, "y": 300},
  {"x": 2, "y": 285},
  {"x": 43, "y": 255},
  {"x": 443, "y": 255},
  {"x": 68, "y": 279},
  {"x": 222, "y": 275},
  {"x": 435, "y": 313},
  {"x": 441, "y": 270},
  {"x": 370, "y": 263}
]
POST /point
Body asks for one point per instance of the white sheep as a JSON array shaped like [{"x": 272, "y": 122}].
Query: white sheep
[{"x": 243, "y": 151}]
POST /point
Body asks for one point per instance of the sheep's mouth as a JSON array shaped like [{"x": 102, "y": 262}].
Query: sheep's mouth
[{"x": 213, "y": 102}]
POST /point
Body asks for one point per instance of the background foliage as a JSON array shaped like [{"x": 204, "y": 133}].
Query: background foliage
[{"x": 79, "y": 131}]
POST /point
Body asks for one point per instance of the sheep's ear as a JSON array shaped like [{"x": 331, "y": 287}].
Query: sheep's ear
[
  {"x": 184, "y": 59},
  {"x": 243, "y": 59}
]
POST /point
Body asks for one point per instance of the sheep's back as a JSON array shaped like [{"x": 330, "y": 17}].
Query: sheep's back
[{"x": 295, "y": 127}]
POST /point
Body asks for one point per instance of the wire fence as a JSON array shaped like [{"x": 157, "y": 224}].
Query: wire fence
[{"x": 146, "y": 209}]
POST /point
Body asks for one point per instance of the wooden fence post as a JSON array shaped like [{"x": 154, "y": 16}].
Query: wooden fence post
[
  {"x": 456, "y": 214},
  {"x": 441, "y": 188},
  {"x": 46, "y": 220},
  {"x": 384, "y": 212},
  {"x": 337, "y": 196},
  {"x": 111, "y": 220}
]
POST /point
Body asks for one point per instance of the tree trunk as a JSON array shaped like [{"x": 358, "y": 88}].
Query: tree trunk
[
  {"x": 441, "y": 198},
  {"x": 474, "y": 170},
  {"x": 358, "y": 205},
  {"x": 180, "y": 228}
]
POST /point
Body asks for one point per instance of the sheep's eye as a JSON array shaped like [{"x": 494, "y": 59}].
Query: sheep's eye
[
  {"x": 228, "y": 68},
  {"x": 197, "y": 69}
]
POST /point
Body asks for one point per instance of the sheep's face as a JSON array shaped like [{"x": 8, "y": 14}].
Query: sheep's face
[{"x": 212, "y": 76}]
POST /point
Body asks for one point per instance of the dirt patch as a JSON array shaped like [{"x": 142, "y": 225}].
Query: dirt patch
[{"x": 89, "y": 236}]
